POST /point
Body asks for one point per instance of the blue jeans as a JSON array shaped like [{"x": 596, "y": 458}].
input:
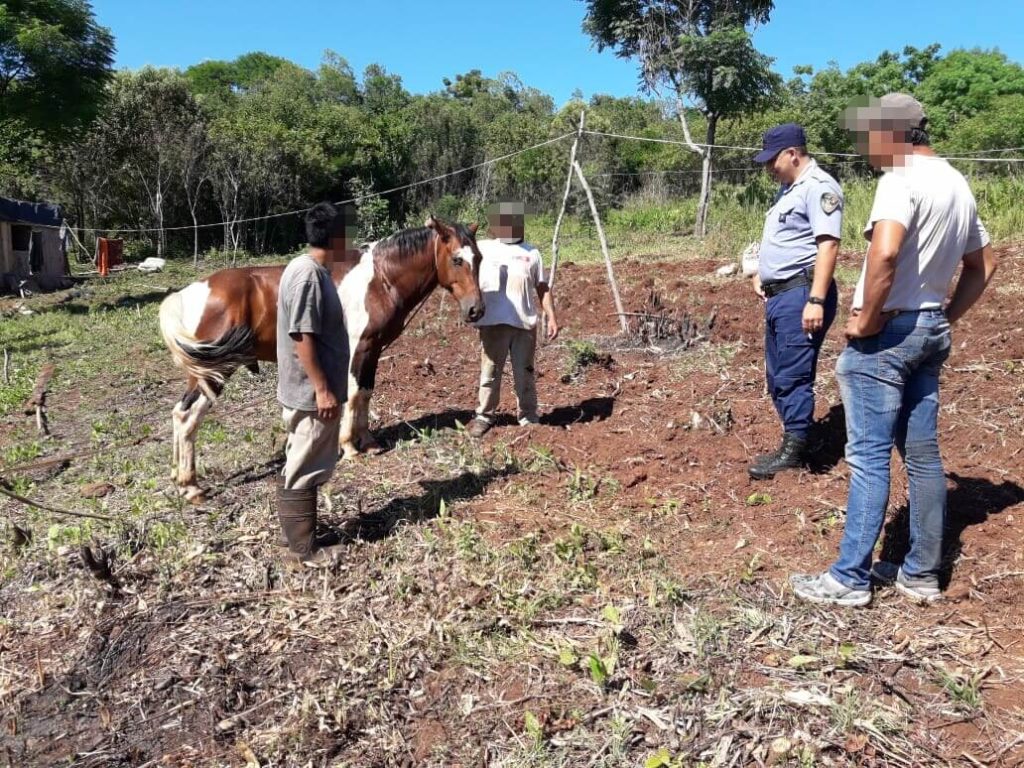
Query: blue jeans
[
  {"x": 890, "y": 389},
  {"x": 791, "y": 358}
]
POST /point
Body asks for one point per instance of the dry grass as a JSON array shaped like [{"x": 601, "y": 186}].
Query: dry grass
[{"x": 440, "y": 639}]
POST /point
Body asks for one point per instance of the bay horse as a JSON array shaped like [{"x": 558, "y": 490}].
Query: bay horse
[{"x": 214, "y": 326}]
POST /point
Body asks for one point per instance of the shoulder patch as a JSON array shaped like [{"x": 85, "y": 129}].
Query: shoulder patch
[{"x": 830, "y": 203}]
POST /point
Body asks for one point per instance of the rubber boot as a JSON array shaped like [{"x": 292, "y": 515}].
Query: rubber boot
[
  {"x": 789, "y": 456},
  {"x": 296, "y": 511},
  {"x": 276, "y": 532}
]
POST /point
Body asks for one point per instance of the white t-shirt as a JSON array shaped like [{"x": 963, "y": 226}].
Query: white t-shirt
[
  {"x": 509, "y": 275},
  {"x": 933, "y": 201}
]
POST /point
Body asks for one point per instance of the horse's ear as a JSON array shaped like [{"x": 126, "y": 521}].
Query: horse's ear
[
  {"x": 439, "y": 227},
  {"x": 473, "y": 228}
]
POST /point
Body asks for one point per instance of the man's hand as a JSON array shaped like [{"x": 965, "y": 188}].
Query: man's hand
[
  {"x": 552, "y": 326},
  {"x": 756, "y": 281},
  {"x": 814, "y": 318},
  {"x": 860, "y": 326},
  {"x": 326, "y": 405}
]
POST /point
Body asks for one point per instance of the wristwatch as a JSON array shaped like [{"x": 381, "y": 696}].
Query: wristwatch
[{"x": 816, "y": 301}]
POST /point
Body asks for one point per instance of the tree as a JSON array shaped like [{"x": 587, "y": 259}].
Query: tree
[
  {"x": 700, "y": 50},
  {"x": 220, "y": 82},
  {"x": 193, "y": 168},
  {"x": 151, "y": 113},
  {"x": 337, "y": 81},
  {"x": 54, "y": 63},
  {"x": 999, "y": 126},
  {"x": 965, "y": 83}
]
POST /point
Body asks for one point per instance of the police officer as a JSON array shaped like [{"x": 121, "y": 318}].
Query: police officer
[{"x": 797, "y": 258}]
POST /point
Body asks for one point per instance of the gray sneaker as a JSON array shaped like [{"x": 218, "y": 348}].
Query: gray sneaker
[
  {"x": 923, "y": 589},
  {"x": 825, "y": 589}
]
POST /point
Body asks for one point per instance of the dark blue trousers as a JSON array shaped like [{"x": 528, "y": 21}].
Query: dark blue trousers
[{"x": 792, "y": 358}]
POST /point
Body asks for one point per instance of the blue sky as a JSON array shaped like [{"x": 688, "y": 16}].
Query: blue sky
[{"x": 540, "y": 40}]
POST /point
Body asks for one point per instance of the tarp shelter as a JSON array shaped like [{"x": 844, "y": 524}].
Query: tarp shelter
[{"x": 33, "y": 246}]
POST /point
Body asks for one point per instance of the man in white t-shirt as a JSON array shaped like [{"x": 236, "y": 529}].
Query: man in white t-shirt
[
  {"x": 512, "y": 283},
  {"x": 923, "y": 226}
]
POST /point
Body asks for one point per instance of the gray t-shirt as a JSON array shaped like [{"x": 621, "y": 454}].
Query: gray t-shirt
[{"x": 307, "y": 302}]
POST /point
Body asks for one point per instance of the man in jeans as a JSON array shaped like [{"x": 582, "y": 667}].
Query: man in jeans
[
  {"x": 512, "y": 282},
  {"x": 312, "y": 367},
  {"x": 923, "y": 225}
]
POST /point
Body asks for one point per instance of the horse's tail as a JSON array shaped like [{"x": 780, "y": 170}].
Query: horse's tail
[{"x": 210, "y": 362}]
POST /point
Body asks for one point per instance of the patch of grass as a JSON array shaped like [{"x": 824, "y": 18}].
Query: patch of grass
[
  {"x": 962, "y": 687},
  {"x": 14, "y": 394},
  {"x": 581, "y": 355},
  {"x": 21, "y": 452},
  {"x": 582, "y": 487}
]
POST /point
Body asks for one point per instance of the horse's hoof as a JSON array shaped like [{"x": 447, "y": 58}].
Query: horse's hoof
[{"x": 193, "y": 494}]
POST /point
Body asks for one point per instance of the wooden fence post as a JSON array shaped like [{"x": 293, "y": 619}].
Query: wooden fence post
[{"x": 604, "y": 246}]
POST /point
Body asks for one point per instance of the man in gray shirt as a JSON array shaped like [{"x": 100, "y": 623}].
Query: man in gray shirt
[
  {"x": 922, "y": 229},
  {"x": 312, "y": 359}
]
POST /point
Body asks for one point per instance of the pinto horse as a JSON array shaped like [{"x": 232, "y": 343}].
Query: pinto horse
[{"x": 214, "y": 326}]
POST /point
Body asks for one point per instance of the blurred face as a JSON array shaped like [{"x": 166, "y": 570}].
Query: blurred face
[
  {"x": 883, "y": 147},
  {"x": 344, "y": 239},
  {"x": 507, "y": 225},
  {"x": 784, "y": 168}
]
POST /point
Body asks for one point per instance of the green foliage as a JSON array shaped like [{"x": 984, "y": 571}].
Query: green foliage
[
  {"x": 54, "y": 63},
  {"x": 259, "y": 136},
  {"x": 965, "y": 83},
  {"x": 581, "y": 354},
  {"x": 371, "y": 213}
]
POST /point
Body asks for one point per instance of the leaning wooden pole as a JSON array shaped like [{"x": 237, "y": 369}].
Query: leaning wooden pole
[
  {"x": 565, "y": 200},
  {"x": 604, "y": 246}
]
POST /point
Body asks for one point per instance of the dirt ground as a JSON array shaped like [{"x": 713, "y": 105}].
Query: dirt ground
[{"x": 605, "y": 588}]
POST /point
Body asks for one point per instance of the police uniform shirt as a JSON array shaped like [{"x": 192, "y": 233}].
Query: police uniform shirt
[{"x": 810, "y": 208}]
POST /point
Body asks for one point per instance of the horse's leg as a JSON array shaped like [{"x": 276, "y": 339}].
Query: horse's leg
[
  {"x": 192, "y": 419},
  {"x": 348, "y": 439},
  {"x": 366, "y": 378},
  {"x": 347, "y": 446},
  {"x": 355, "y": 424},
  {"x": 178, "y": 415}
]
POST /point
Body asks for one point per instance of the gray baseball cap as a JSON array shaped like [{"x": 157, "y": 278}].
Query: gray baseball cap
[{"x": 894, "y": 110}]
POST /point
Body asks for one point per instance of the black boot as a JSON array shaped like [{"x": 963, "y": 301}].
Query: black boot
[
  {"x": 789, "y": 456},
  {"x": 765, "y": 458},
  {"x": 296, "y": 511}
]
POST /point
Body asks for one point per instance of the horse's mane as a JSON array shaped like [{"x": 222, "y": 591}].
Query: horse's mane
[{"x": 402, "y": 245}]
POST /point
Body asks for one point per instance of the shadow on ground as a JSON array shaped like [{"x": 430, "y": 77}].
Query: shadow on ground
[
  {"x": 380, "y": 523},
  {"x": 971, "y": 502}
]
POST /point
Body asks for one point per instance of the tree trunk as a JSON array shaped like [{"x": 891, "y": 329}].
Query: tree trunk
[
  {"x": 195, "y": 237},
  {"x": 704, "y": 203},
  {"x": 159, "y": 217},
  {"x": 565, "y": 199}
]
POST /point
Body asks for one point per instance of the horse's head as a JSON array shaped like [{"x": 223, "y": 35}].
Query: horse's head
[{"x": 458, "y": 265}]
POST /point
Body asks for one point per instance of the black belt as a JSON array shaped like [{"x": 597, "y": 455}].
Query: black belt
[{"x": 800, "y": 279}]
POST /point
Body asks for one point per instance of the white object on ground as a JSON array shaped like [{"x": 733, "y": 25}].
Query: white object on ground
[
  {"x": 749, "y": 259},
  {"x": 152, "y": 264}
]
